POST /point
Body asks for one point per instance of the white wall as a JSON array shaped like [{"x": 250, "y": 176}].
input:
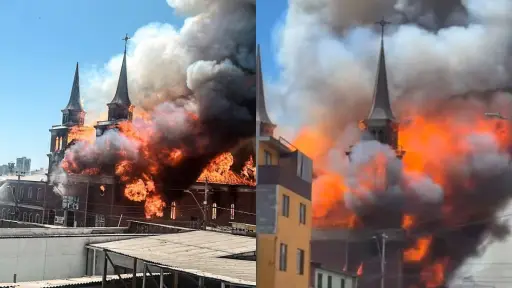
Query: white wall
[
  {"x": 336, "y": 279},
  {"x": 47, "y": 258}
]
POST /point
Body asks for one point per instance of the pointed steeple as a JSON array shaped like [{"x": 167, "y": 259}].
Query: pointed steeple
[
  {"x": 122, "y": 97},
  {"x": 121, "y": 108},
  {"x": 265, "y": 125},
  {"x": 381, "y": 106},
  {"x": 75, "y": 102},
  {"x": 74, "y": 114}
]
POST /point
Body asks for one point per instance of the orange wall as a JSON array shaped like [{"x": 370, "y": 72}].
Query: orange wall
[{"x": 296, "y": 236}]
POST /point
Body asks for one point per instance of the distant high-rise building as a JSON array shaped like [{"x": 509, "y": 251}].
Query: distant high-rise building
[
  {"x": 23, "y": 165},
  {"x": 4, "y": 169}
]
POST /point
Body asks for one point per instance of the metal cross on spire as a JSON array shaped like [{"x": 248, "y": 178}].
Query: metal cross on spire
[
  {"x": 125, "y": 39},
  {"x": 383, "y": 23}
]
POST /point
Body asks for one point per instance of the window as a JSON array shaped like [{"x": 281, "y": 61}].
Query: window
[
  {"x": 30, "y": 217},
  {"x": 286, "y": 206},
  {"x": 232, "y": 212},
  {"x": 29, "y": 192},
  {"x": 283, "y": 255},
  {"x": 38, "y": 218},
  {"x": 24, "y": 216},
  {"x": 38, "y": 194},
  {"x": 342, "y": 283},
  {"x": 173, "y": 210},
  {"x": 302, "y": 213},
  {"x": 319, "y": 280},
  {"x": 329, "y": 281},
  {"x": 3, "y": 213},
  {"x": 20, "y": 196},
  {"x": 214, "y": 211},
  {"x": 268, "y": 157},
  {"x": 8, "y": 217},
  {"x": 99, "y": 221},
  {"x": 300, "y": 261}
]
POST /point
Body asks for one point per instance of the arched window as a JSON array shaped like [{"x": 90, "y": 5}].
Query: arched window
[
  {"x": 214, "y": 211},
  {"x": 30, "y": 217},
  {"x": 20, "y": 193},
  {"x": 29, "y": 193},
  {"x": 3, "y": 213},
  {"x": 24, "y": 216},
  {"x": 8, "y": 217},
  {"x": 173, "y": 210},
  {"x": 38, "y": 218},
  {"x": 232, "y": 212},
  {"x": 38, "y": 194}
]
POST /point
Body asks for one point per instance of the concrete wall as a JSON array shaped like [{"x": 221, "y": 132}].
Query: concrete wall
[{"x": 44, "y": 258}]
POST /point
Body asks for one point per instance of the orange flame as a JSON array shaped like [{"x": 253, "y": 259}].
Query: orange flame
[
  {"x": 218, "y": 171},
  {"x": 81, "y": 133},
  {"x": 433, "y": 275},
  {"x": 416, "y": 254},
  {"x": 407, "y": 221},
  {"x": 360, "y": 270},
  {"x": 143, "y": 188}
]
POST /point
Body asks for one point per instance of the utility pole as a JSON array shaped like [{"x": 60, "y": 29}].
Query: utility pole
[
  {"x": 17, "y": 199},
  {"x": 383, "y": 260},
  {"x": 205, "y": 204}
]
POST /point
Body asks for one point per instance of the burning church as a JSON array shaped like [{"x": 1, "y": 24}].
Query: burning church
[
  {"x": 184, "y": 158},
  {"x": 420, "y": 190}
]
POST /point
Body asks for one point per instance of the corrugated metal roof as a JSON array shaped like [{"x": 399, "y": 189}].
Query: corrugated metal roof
[
  {"x": 196, "y": 252},
  {"x": 71, "y": 282}
]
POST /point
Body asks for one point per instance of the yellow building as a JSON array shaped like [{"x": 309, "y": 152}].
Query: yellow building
[{"x": 283, "y": 205}]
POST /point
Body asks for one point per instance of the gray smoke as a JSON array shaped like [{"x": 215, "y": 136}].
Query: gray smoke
[
  {"x": 160, "y": 54},
  {"x": 334, "y": 65},
  {"x": 201, "y": 69}
]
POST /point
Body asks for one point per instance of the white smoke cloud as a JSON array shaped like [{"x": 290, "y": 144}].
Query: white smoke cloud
[
  {"x": 334, "y": 66},
  {"x": 159, "y": 54}
]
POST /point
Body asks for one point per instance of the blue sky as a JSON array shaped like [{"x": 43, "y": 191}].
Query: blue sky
[
  {"x": 41, "y": 43},
  {"x": 270, "y": 13}
]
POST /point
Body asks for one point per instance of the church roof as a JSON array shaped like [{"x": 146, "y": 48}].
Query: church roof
[
  {"x": 74, "y": 99},
  {"x": 261, "y": 109},
  {"x": 381, "y": 106},
  {"x": 122, "y": 96}
]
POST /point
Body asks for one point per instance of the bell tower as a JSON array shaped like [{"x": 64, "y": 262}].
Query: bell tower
[
  {"x": 73, "y": 115},
  {"x": 120, "y": 108}
]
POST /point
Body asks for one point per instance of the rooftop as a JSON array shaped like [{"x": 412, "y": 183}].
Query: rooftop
[
  {"x": 202, "y": 253},
  {"x": 71, "y": 282}
]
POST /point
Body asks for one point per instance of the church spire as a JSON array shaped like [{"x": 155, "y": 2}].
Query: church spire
[
  {"x": 74, "y": 98},
  {"x": 381, "y": 106},
  {"x": 120, "y": 108},
  {"x": 265, "y": 125},
  {"x": 74, "y": 114},
  {"x": 122, "y": 97}
]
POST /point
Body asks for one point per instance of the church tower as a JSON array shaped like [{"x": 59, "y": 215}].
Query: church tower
[
  {"x": 120, "y": 108},
  {"x": 381, "y": 122},
  {"x": 73, "y": 115},
  {"x": 264, "y": 127}
]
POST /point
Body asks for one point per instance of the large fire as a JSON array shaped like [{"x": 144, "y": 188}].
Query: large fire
[
  {"x": 433, "y": 145},
  {"x": 139, "y": 182}
]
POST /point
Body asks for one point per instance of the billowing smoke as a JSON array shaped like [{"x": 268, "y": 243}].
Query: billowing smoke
[
  {"x": 194, "y": 93},
  {"x": 448, "y": 62}
]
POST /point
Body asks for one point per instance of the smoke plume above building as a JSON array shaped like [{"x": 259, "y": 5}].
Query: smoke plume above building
[
  {"x": 193, "y": 90},
  {"x": 448, "y": 63}
]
